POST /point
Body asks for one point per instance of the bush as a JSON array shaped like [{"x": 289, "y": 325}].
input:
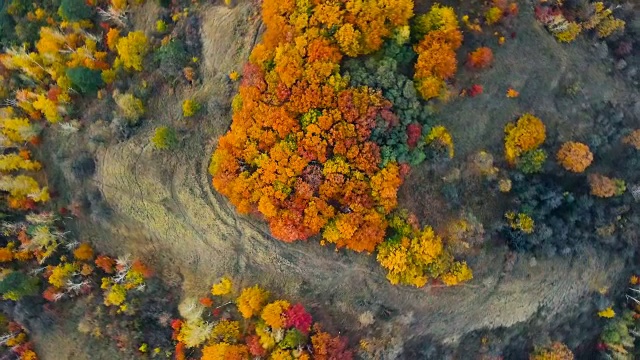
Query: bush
[
  {"x": 85, "y": 80},
  {"x": 131, "y": 107},
  {"x": 481, "y": 58},
  {"x": 531, "y": 161},
  {"x": 190, "y": 108},
  {"x": 74, "y": 10},
  {"x": 171, "y": 58},
  {"x": 164, "y": 138}
]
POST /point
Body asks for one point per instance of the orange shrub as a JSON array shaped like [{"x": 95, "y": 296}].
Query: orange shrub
[
  {"x": 574, "y": 156},
  {"x": 604, "y": 187},
  {"x": 481, "y": 58}
]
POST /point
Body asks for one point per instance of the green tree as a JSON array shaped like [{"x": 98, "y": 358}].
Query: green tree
[
  {"x": 85, "y": 80},
  {"x": 17, "y": 285},
  {"x": 74, "y": 10},
  {"x": 7, "y": 35},
  {"x": 532, "y": 161}
]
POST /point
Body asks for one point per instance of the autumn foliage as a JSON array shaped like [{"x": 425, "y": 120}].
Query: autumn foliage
[
  {"x": 437, "y": 52},
  {"x": 605, "y": 187},
  {"x": 270, "y": 328},
  {"x": 574, "y": 156},
  {"x": 555, "y": 351},
  {"x": 633, "y": 139},
  {"x": 526, "y": 134},
  {"x": 299, "y": 151},
  {"x": 480, "y": 58},
  {"x": 413, "y": 256}
]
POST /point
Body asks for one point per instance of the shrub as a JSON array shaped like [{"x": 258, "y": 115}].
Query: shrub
[
  {"x": 164, "y": 138},
  {"x": 161, "y": 26},
  {"x": 604, "y": 187},
  {"x": 493, "y": 15},
  {"x": 75, "y": 10},
  {"x": 130, "y": 106},
  {"x": 85, "y": 80},
  {"x": 574, "y": 156},
  {"x": 570, "y": 32},
  {"x": 83, "y": 166},
  {"x": 171, "y": 58},
  {"x": 555, "y": 351},
  {"x": 481, "y": 58},
  {"x": 633, "y": 139},
  {"x": 190, "y": 108}
]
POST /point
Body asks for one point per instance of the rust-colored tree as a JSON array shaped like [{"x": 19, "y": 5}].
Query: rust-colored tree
[{"x": 574, "y": 156}]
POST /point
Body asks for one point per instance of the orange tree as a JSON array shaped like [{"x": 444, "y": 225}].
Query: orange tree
[
  {"x": 574, "y": 156},
  {"x": 436, "y": 51}
]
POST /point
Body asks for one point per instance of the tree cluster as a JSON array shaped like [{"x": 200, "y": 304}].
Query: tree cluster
[
  {"x": 300, "y": 150},
  {"x": 274, "y": 329}
]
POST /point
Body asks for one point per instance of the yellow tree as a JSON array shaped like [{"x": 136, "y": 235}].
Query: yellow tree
[
  {"x": 48, "y": 108},
  {"x": 524, "y": 135},
  {"x": 132, "y": 50},
  {"x": 22, "y": 186},
  {"x": 12, "y": 162},
  {"x": 251, "y": 301}
]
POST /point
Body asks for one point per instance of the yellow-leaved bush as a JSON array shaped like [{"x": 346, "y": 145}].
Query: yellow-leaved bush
[
  {"x": 526, "y": 134},
  {"x": 413, "y": 256}
]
